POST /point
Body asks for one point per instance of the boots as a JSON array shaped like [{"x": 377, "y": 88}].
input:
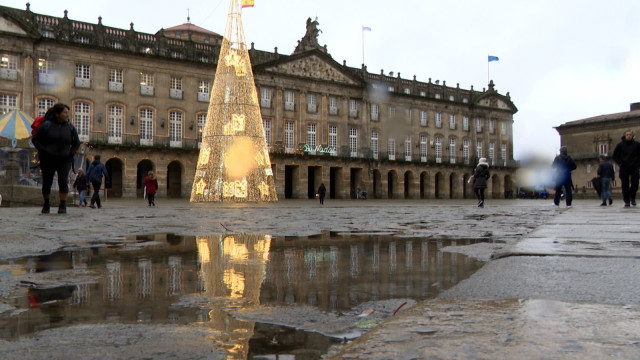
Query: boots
[
  {"x": 62, "y": 209},
  {"x": 45, "y": 207}
]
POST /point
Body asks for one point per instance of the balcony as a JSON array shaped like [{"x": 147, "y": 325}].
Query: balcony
[
  {"x": 146, "y": 90},
  {"x": 83, "y": 83},
  {"x": 116, "y": 86},
  {"x": 46, "y": 79},
  {"x": 175, "y": 94},
  {"x": 9, "y": 74},
  {"x": 203, "y": 96}
]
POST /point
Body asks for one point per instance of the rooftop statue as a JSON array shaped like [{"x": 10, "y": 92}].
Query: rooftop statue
[{"x": 310, "y": 39}]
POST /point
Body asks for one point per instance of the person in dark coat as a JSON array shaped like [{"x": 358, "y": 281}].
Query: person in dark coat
[
  {"x": 151, "y": 187},
  {"x": 81, "y": 185},
  {"x": 321, "y": 193},
  {"x": 480, "y": 177},
  {"x": 606, "y": 174},
  {"x": 563, "y": 165},
  {"x": 627, "y": 156},
  {"x": 57, "y": 142},
  {"x": 94, "y": 176}
]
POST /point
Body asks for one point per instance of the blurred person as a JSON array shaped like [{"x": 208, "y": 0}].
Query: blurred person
[
  {"x": 563, "y": 165},
  {"x": 479, "y": 179},
  {"x": 94, "y": 176},
  {"x": 627, "y": 156},
  {"x": 80, "y": 184},
  {"x": 321, "y": 193},
  {"x": 151, "y": 187},
  {"x": 606, "y": 174},
  {"x": 56, "y": 141}
]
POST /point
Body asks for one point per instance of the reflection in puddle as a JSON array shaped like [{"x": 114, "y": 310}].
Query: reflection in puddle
[{"x": 185, "y": 280}]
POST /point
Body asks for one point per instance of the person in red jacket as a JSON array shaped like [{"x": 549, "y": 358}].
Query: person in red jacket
[{"x": 151, "y": 186}]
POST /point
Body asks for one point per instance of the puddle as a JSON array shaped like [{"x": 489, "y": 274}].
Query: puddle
[{"x": 168, "y": 279}]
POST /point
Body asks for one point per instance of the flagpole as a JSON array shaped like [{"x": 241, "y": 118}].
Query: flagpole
[
  {"x": 488, "y": 62},
  {"x": 362, "y": 29}
]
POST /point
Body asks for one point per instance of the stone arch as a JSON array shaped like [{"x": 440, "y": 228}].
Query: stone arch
[
  {"x": 439, "y": 186},
  {"x": 455, "y": 187},
  {"x": 467, "y": 187},
  {"x": 144, "y": 166},
  {"x": 377, "y": 181},
  {"x": 392, "y": 183},
  {"x": 175, "y": 171},
  {"x": 508, "y": 187},
  {"x": 408, "y": 184},
  {"x": 115, "y": 169},
  {"x": 424, "y": 185},
  {"x": 495, "y": 187}
]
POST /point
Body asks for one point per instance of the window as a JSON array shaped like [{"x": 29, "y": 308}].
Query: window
[
  {"x": 465, "y": 100},
  {"x": 8, "y": 67},
  {"x": 311, "y": 136},
  {"x": 479, "y": 149},
  {"x": 423, "y": 93},
  {"x": 407, "y": 91},
  {"x": 8, "y": 103},
  {"x": 175, "y": 88},
  {"x": 374, "y": 112},
  {"x": 452, "y": 122},
  {"x": 407, "y": 115},
  {"x": 333, "y": 139},
  {"x": 465, "y": 151},
  {"x": 81, "y": 115},
  {"x": 423, "y": 118},
  {"x": 438, "y": 144},
  {"x": 116, "y": 80},
  {"x": 374, "y": 144},
  {"x": 83, "y": 76},
  {"x": 452, "y": 150},
  {"x": 423, "y": 148},
  {"x": 333, "y": 105},
  {"x": 203, "y": 90},
  {"x": 266, "y": 128},
  {"x": 146, "y": 126},
  {"x": 391, "y": 148},
  {"x": 491, "y": 126},
  {"x": 465, "y": 123},
  {"x": 353, "y": 142},
  {"x": 492, "y": 149},
  {"x": 438, "y": 120},
  {"x": 451, "y": 98},
  {"x": 503, "y": 128},
  {"x": 115, "y": 45},
  {"x": 202, "y": 120},
  {"x": 289, "y": 136},
  {"x": 503, "y": 154},
  {"x": 392, "y": 112},
  {"x": 82, "y": 39},
  {"x": 437, "y": 95},
  {"x": 478, "y": 124},
  {"x": 43, "y": 105},
  {"x": 45, "y": 72},
  {"x": 407, "y": 148},
  {"x": 353, "y": 108},
  {"x": 603, "y": 149},
  {"x": 289, "y": 100},
  {"x": 146, "y": 84},
  {"x": 114, "y": 124},
  {"x": 311, "y": 103},
  {"x": 390, "y": 88},
  {"x": 175, "y": 128},
  {"x": 265, "y": 97}
]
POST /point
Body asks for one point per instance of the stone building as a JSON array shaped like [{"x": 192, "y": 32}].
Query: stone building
[
  {"x": 587, "y": 139},
  {"x": 140, "y": 100}
]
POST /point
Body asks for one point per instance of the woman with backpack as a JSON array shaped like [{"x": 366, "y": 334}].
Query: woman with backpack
[
  {"x": 479, "y": 178},
  {"x": 57, "y": 142}
]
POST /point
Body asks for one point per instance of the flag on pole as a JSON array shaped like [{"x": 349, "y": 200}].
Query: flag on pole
[
  {"x": 366, "y": 28},
  {"x": 247, "y": 3},
  {"x": 493, "y": 58}
]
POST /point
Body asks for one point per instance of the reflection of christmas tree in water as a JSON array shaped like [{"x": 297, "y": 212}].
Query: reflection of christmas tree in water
[{"x": 234, "y": 161}]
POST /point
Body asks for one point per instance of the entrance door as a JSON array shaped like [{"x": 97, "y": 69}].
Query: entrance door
[{"x": 174, "y": 179}]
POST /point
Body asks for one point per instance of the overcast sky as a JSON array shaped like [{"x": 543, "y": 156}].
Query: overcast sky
[{"x": 560, "y": 60}]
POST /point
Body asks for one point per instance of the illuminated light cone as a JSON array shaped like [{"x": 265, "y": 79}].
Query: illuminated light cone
[{"x": 234, "y": 162}]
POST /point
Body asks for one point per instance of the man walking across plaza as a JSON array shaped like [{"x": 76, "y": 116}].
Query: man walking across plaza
[
  {"x": 563, "y": 165},
  {"x": 606, "y": 174},
  {"x": 627, "y": 156},
  {"x": 94, "y": 176}
]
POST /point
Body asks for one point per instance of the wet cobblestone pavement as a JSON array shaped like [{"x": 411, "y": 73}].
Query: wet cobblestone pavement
[{"x": 562, "y": 285}]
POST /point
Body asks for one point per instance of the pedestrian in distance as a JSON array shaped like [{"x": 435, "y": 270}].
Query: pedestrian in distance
[
  {"x": 322, "y": 191},
  {"x": 606, "y": 174},
  {"x": 151, "y": 187},
  {"x": 479, "y": 179},
  {"x": 56, "y": 140},
  {"x": 94, "y": 176},
  {"x": 80, "y": 184},
  {"x": 627, "y": 156},
  {"x": 563, "y": 165}
]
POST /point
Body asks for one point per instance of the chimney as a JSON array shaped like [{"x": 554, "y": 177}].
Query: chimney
[{"x": 635, "y": 106}]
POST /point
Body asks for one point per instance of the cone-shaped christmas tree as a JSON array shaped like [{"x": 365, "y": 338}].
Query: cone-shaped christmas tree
[{"x": 234, "y": 161}]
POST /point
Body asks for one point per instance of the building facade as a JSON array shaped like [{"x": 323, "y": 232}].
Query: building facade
[
  {"x": 587, "y": 139},
  {"x": 140, "y": 100}
]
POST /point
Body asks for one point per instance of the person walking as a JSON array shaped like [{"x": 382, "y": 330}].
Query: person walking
[
  {"x": 322, "y": 191},
  {"x": 57, "y": 142},
  {"x": 479, "y": 178},
  {"x": 150, "y": 183},
  {"x": 563, "y": 165},
  {"x": 94, "y": 175},
  {"x": 80, "y": 184},
  {"x": 627, "y": 156},
  {"x": 606, "y": 174}
]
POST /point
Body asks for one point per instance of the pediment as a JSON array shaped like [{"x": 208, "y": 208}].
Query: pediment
[
  {"x": 7, "y": 25},
  {"x": 496, "y": 101},
  {"x": 312, "y": 67}
]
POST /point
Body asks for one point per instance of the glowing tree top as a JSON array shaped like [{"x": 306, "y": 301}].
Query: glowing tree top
[{"x": 234, "y": 160}]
